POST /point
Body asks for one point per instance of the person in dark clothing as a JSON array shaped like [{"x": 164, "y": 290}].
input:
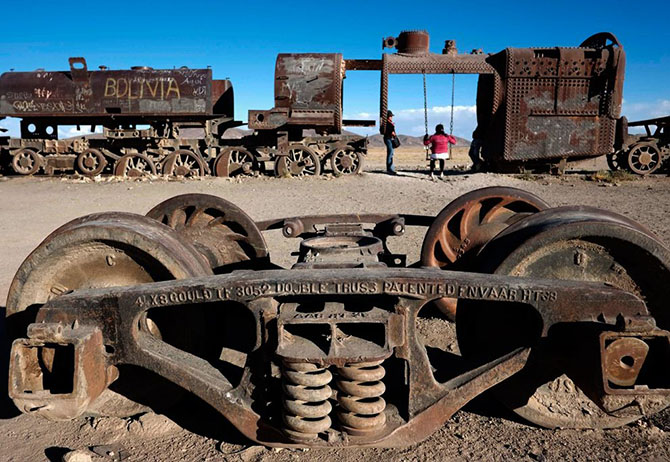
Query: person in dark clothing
[
  {"x": 476, "y": 151},
  {"x": 389, "y": 134}
]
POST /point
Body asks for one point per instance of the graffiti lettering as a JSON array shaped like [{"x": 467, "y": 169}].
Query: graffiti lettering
[{"x": 137, "y": 88}]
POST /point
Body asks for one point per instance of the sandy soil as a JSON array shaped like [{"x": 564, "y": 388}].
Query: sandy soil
[{"x": 33, "y": 207}]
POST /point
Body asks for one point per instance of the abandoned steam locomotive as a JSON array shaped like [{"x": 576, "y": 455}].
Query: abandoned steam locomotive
[
  {"x": 535, "y": 106},
  {"x": 308, "y": 95},
  {"x": 563, "y": 310}
]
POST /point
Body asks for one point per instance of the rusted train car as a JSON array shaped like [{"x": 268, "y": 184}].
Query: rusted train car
[
  {"x": 145, "y": 111},
  {"x": 534, "y": 105}
]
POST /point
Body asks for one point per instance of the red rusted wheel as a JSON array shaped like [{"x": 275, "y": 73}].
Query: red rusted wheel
[
  {"x": 106, "y": 250},
  {"x": 562, "y": 380},
  {"x": 134, "y": 166},
  {"x": 644, "y": 158},
  {"x": 218, "y": 229},
  {"x": 469, "y": 222},
  {"x": 300, "y": 161},
  {"x": 346, "y": 161},
  {"x": 184, "y": 163},
  {"x": 26, "y": 162},
  {"x": 234, "y": 161},
  {"x": 91, "y": 162}
]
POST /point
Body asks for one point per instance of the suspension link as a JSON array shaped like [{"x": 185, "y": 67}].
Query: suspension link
[
  {"x": 306, "y": 395},
  {"x": 361, "y": 407}
]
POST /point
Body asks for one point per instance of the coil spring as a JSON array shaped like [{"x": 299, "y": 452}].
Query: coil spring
[
  {"x": 360, "y": 387},
  {"x": 306, "y": 405}
]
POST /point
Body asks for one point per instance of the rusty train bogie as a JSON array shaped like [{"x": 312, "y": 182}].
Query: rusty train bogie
[{"x": 561, "y": 310}]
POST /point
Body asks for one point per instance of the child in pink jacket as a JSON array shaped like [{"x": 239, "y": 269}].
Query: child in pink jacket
[{"x": 439, "y": 148}]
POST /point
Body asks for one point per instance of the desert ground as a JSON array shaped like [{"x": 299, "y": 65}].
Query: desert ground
[{"x": 30, "y": 208}]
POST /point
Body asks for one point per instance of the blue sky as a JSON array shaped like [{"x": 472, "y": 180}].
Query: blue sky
[{"x": 240, "y": 40}]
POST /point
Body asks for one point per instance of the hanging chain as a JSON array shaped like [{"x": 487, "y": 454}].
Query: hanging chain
[
  {"x": 453, "y": 91},
  {"x": 425, "y": 103},
  {"x": 451, "y": 122}
]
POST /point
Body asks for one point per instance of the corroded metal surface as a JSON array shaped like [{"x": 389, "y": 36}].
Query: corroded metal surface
[
  {"x": 533, "y": 104},
  {"x": 329, "y": 353},
  {"x": 469, "y": 222},
  {"x": 308, "y": 95}
]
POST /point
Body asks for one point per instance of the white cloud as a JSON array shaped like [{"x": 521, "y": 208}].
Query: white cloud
[
  {"x": 69, "y": 131},
  {"x": 645, "y": 110},
  {"x": 410, "y": 121},
  {"x": 12, "y": 125}
]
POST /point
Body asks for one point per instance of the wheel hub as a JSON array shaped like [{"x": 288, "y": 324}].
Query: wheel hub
[
  {"x": 182, "y": 170},
  {"x": 89, "y": 162},
  {"x": 296, "y": 168},
  {"x": 645, "y": 158},
  {"x": 346, "y": 162},
  {"x": 25, "y": 161}
]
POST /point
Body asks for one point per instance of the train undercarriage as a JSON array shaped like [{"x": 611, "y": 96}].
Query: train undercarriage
[{"x": 561, "y": 311}]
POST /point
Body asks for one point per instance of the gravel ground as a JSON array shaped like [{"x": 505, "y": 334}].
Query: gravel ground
[{"x": 33, "y": 207}]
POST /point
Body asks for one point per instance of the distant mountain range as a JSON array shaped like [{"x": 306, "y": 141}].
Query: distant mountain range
[
  {"x": 374, "y": 141},
  {"x": 377, "y": 141}
]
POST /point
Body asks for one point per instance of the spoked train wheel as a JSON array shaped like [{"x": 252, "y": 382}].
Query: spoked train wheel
[
  {"x": 185, "y": 164},
  {"x": 218, "y": 229},
  {"x": 469, "y": 222},
  {"x": 346, "y": 161},
  {"x": 91, "y": 162},
  {"x": 235, "y": 161},
  {"x": 558, "y": 386},
  {"x": 134, "y": 166},
  {"x": 108, "y": 250},
  {"x": 26, "y": 162},
  {"x": 300, "y": 161},
  {"x": 644, "y": 158}
]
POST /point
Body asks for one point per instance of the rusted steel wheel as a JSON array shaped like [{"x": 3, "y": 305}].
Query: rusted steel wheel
[
  {"x": 346, "y": 161},
  {"x": 234, "y": 161},
  {"x": 469, "y": 222},
  {"x": 644, "y": 158},
  {"x": 91, "y": 162},
  {"x": 106, "y": 250},
  {"x": 562, "y": 375},
  {"x": 300, "y": 161},
  {"x": 218, "y": 229},
  {"x": 26, "y": 162},
  {"x": 184, "y": 163},
  {"x": 134, "y": 166},
  {"x": 614, "y": 161}
]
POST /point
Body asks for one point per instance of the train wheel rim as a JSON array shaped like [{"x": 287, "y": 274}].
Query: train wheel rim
[
  {"x": 346, "y": 161},
  {"x": 134, "y": 166},
  {"x": 467, "y": 223},
  {"x": 218, "y": 229},
  {"x": 91, "y": 162},
  {"x": 26, "y": 162},
  {"x": 609, "y": 248},
  {"x": 102, "y": 250},
  {"x": 644, "y": 158},
  {"x": 183, "y": 163},
  {"x": 301, "y": 161},
  {"x": 235, "y": 161}
]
